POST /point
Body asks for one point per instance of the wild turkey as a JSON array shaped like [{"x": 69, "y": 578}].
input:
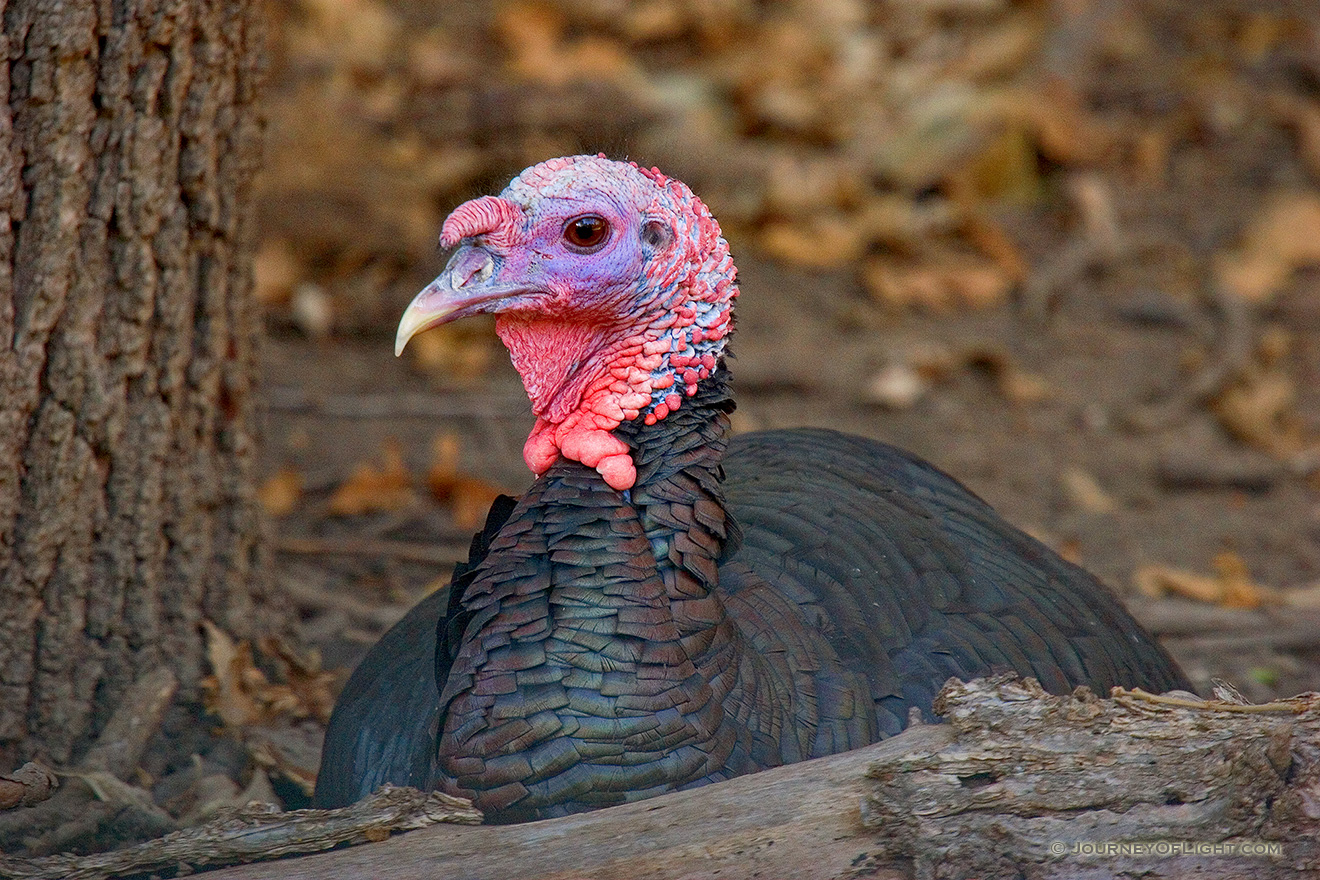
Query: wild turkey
[{"x": 659, "y": 611}]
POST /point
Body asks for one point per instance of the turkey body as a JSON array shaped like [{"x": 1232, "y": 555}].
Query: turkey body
[{"x": 792, "y": 596}]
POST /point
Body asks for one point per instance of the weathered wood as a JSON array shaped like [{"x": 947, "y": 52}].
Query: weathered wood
[
  {"x": 129, "y": 139},
  {"x": 1013, "y": 777},
  {"x": 800, "y": 821},
  {"x": 255, "y": 833},
  {"x": 1068, "y": 786}
]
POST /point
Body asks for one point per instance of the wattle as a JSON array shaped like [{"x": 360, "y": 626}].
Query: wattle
[{"x": 584, "y": 380}]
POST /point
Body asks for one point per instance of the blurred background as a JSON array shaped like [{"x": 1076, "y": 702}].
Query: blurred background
[{"x": 1069, "y": 250}]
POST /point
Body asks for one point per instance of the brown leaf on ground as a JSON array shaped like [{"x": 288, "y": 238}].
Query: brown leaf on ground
[
  {"x": 1085, "y": 491},
  {"x": 1239, "y": 590},
  {"x": 468, "y": 498},
  {"x": 372, "y": 487},
  {"x": 276, "y": 271},
  {"x": 239, "y": 692},
  {"x": 312, "y": 687},
  {"x": 1230, "y": 587},
  {"x": 1260, "y": 410},
  {"x": 825, "y": 241},
  {"x": 291, "y": 750},
  {"x": 991, "y": 239},
  {"x": 280, "y": 494},
  {"x": 1283, "y": 237},
  {"x": 937, "y": 287},
  {"x": 1065, "y": 129},
  {"x": 1157, "y": 580},
  {"x": 230, "y": 691}
]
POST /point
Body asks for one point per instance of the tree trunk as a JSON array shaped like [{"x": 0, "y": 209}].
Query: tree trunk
[{"x": 129, "y": 136}]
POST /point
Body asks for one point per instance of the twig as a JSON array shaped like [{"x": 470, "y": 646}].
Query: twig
[
  {"x": 1296, "y": 707},
  {"x": 438, "y": 554},
  {"x": 257, "y": 833}
]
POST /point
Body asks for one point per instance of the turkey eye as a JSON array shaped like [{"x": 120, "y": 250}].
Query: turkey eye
[{"x": 587, "y": 232}]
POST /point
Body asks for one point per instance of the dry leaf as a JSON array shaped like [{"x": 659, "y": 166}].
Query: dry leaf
[
  {"x": 280, "y": 494},
  {"x": 230, "y": 690},
  {"x": 246, "y": 700},
  {"x": 276, "y": 270},
  {"x": 990, "y": 239},
  {"x": 825, "y": 241},
  {"x": 1065, "y": 129},
  {"x": 468, "y": 498},
  {"x": 1239, "y": 590},
  {"x": 292, "y": 750},
  {"x": 1159, "y": 580},
  {"x": 1283, "y": 237},
  {"x": 1085, "y": 492},
  {"x": 938, "y": 288},
  {"x": 374, "y": 488},
  {"x": 1231, "y": 586},
  {"x": 312, "y": 688},
  {"x": 1260, "y": 410}
]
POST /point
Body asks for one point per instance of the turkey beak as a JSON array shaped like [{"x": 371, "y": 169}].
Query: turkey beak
[{"x": 465, "y": 287}]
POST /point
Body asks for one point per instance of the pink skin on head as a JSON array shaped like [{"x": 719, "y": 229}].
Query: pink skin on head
[{"x": 622, "y": 332}]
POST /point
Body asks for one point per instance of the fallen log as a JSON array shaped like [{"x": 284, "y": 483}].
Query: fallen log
[{"x": 1017, "y": 783}]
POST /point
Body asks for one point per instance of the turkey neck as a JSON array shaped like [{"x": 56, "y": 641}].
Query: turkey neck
[{"x": 596, "y": 657}]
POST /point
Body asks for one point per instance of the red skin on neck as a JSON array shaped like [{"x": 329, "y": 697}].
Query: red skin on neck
[{"x": 584, "y": 380}]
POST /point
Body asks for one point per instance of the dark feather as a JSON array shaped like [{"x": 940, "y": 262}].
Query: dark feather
[{"x": 597, "y": 649}]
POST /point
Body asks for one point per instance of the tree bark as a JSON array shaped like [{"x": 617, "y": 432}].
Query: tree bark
[{"x": 129, "y": 136}]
